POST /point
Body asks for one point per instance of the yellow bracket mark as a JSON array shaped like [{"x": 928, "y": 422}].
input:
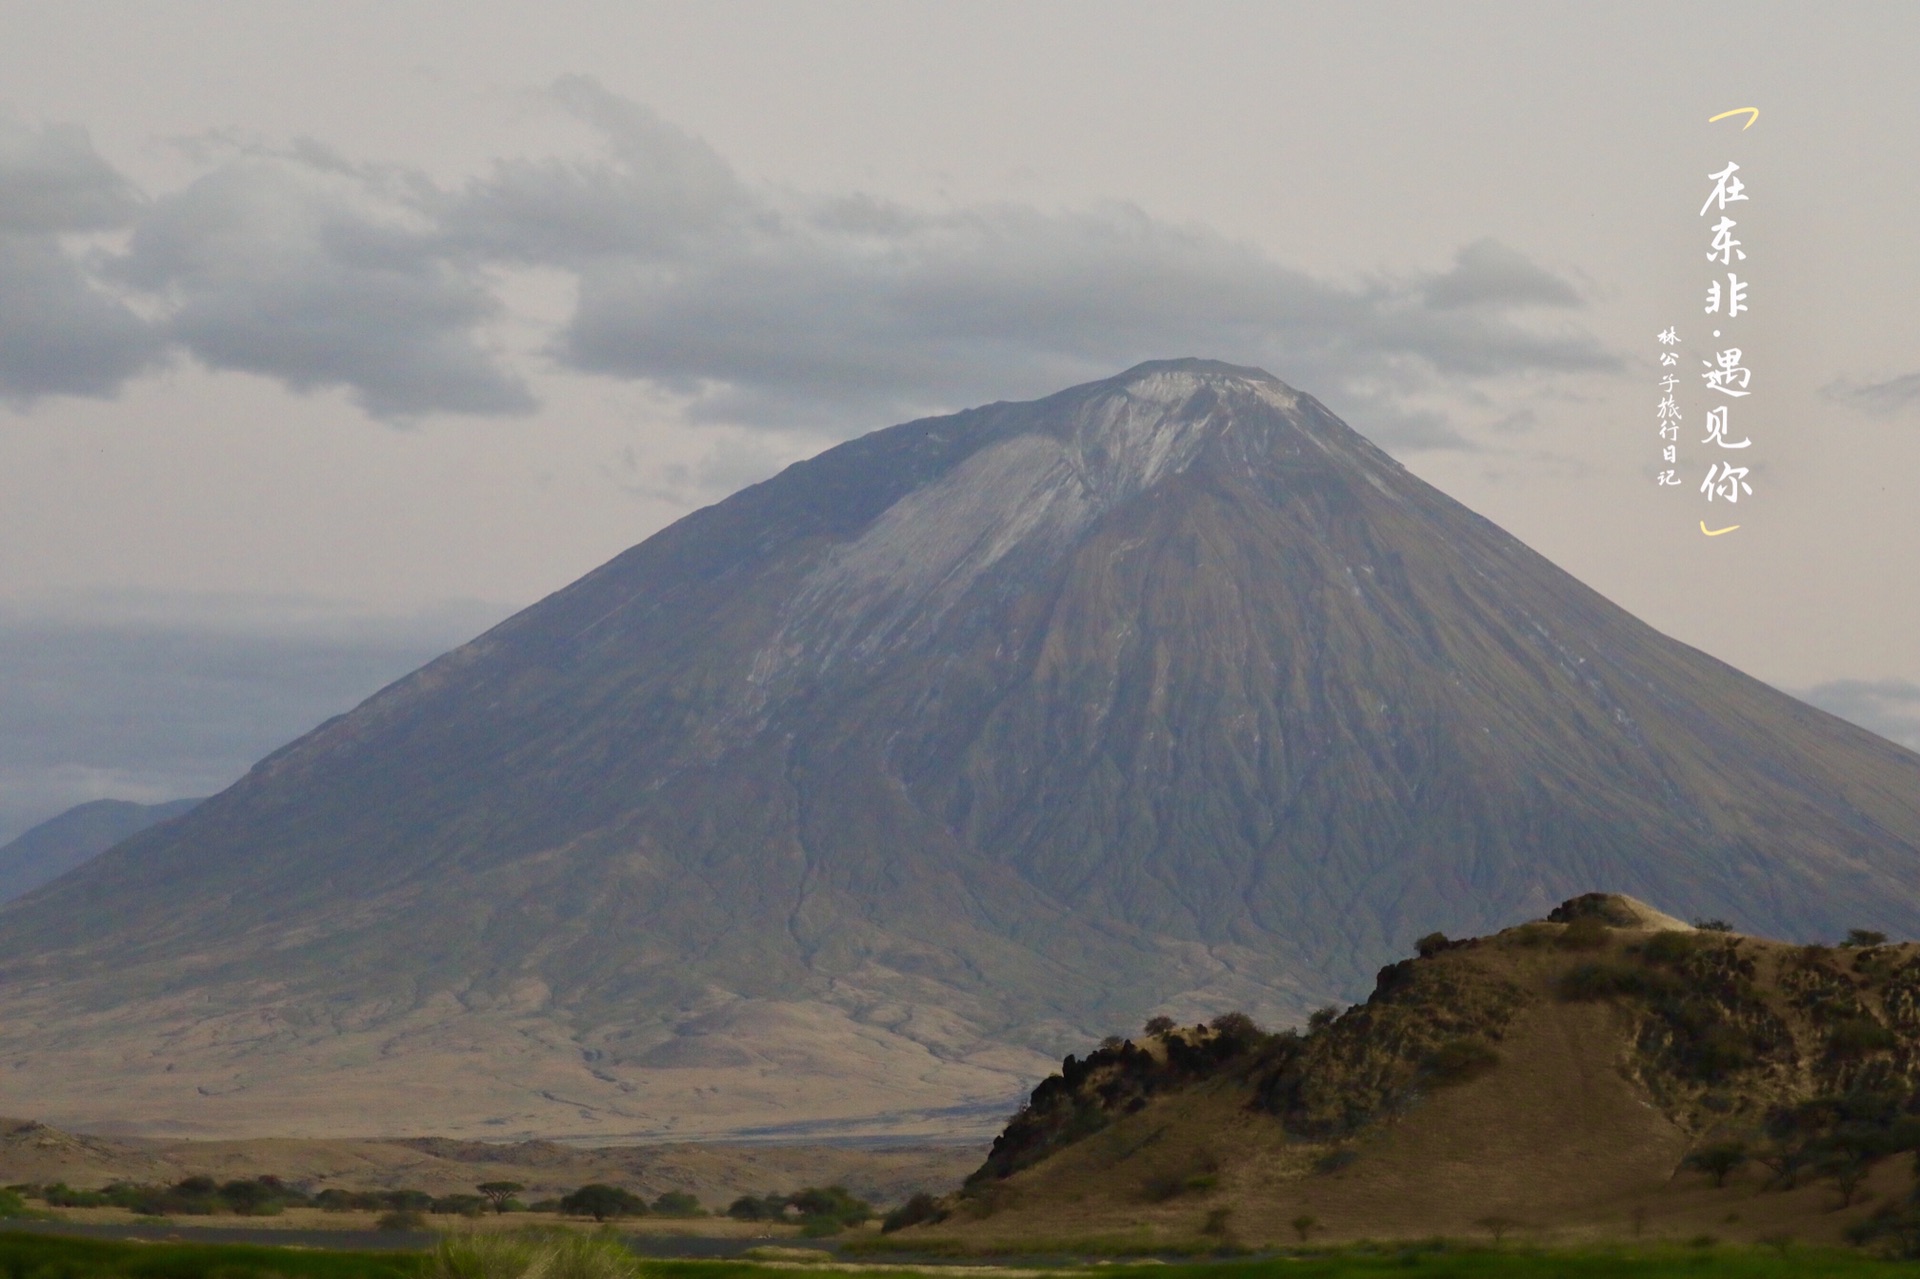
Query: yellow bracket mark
[
  {"x": 1752, "y": 114},
  {"x": 1716, "y": 532}
]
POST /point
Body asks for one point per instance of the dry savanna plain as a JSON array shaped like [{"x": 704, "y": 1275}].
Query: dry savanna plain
[{"x": 1609, "y": 1087}]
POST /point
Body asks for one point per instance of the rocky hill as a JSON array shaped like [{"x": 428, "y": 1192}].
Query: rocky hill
[
  {"x": 848, "y": 804},
  {"x": 1606, "y": 1072}
]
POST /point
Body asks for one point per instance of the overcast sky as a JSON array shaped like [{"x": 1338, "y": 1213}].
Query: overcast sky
[{"x": 329, "y": 333}]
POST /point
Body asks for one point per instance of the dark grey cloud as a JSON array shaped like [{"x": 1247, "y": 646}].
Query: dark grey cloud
[
  {"x": 156, "y": 698},
  {"x": 1889, "y": 707},
  {"x": 760, "y": 307},
  {"x": 1881, "y": 398},
  {"x": 52, "y": 181},
  {"x": 60, "y": 333},
  {"x": 1489, "y": 274},
  {"x": 322, "y": 279}
]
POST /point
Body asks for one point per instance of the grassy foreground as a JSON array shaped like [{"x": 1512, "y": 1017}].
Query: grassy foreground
[
  {"x": 33, "y": 1256},
  {"x": 24, "y": 1256}
]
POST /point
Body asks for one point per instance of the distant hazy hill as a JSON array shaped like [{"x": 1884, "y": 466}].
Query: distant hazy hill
[
  {"x": 57, "y": 845},
  {"x": 849, "y": 803},
  {"x": 1563, "y": 1079}
]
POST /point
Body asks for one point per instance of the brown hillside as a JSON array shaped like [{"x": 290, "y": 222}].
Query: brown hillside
[{"x": 1561, "y": 1079}]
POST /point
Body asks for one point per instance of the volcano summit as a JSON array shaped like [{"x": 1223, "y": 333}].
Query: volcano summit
[{"x": 854, "y": 798}]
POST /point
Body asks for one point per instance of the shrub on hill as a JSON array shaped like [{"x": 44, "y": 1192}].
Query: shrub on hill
[
  {"x": 601, "y": 1201},
  {"x": 1600, "y": 979},
  {"x": 1585, "y": 933},
  {"x": 1835, "y": 1134},
  {"x": 826, "y": 1210},
  {"x": 335, "y": 1199},
  {"x": 196, "y": 1196},
  {"x": 758, "y": 1208},
  {"x": 1712, "y": 1022},
  {"x": 1119, "y": 1079},
  {"x": 458, "y": 1205},
  {"x": 820, "y": 1210},
  {"x": 1708, "y": 1020},
  {"x": 1429, "y": 1022},
  {"x": 1858, "y": 1036},
  {"x": 1459, "y": 1060},
  {"x": 921, "y": 1209},
  {"x": 677, "y": 1203}
]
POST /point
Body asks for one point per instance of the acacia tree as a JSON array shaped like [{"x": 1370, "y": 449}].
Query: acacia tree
[
  {"x": 1718, "y": 1160},
  {"x": 1849, "y": 1172},
  {"x": 498, "y": 1192}
]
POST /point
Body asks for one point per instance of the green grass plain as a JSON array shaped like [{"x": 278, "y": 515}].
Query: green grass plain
[{"x": 24, "y": 1256}]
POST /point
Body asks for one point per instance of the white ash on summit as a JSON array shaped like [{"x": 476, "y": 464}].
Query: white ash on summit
[{"x": 1034, "y": 489}]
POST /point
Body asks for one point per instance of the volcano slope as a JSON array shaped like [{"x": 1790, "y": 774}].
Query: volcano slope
[
  {"x": 1607, "y": 1073},
  {"x": 849, "y": 803}
]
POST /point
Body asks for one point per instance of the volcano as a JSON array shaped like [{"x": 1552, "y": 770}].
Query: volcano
[{"x": 846, "y": 803}]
